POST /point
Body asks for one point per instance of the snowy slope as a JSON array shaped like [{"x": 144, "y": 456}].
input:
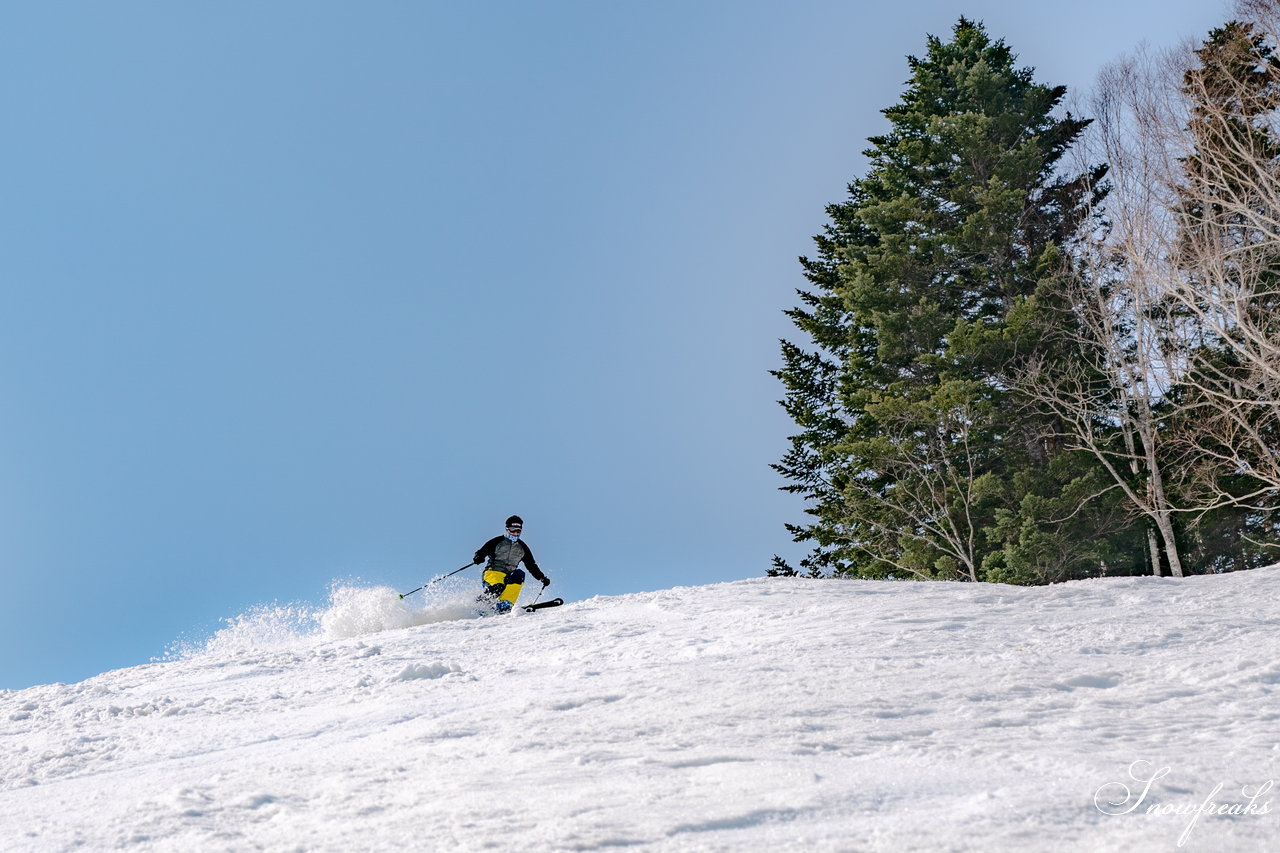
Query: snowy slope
[{"x": 759, "y": 715}]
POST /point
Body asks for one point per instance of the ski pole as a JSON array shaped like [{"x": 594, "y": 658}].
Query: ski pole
[
  {"x": 433, "y": 580},
  {"x": 539, "y": 595}
]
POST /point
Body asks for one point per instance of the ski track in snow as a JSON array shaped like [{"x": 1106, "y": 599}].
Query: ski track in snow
[{"x": 767, "y": 714}]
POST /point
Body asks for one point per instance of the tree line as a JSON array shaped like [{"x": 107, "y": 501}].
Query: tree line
[{"x": 1039, "y": 346}]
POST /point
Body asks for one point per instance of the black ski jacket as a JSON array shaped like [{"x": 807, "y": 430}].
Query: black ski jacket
[{"x": 503, "y": 555}]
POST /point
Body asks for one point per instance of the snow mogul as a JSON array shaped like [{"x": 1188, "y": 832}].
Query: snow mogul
[{"x": 502, "y": 575}]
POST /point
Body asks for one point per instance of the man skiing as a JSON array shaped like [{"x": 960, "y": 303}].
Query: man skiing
[{"x": 502, "y": 578}]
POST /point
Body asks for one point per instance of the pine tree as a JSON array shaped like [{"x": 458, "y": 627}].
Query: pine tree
[{"x": 913, "y": 454}]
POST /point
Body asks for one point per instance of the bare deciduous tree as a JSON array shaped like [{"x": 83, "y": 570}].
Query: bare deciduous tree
[
  {"x": 917, "y": 514},
  {"x": 1110, "y": 393},
  {"x": 1226, "y": 232},
  {"x": 1175, "y": 297}
]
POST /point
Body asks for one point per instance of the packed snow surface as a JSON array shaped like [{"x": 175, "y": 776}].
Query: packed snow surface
[{"x": 1135, "y": 714}]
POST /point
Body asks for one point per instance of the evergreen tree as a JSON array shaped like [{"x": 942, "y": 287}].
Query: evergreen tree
[{"x": 930, "y": 281}]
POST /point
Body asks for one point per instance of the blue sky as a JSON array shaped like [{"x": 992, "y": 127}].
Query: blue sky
[{"x": 301, "y": 291}]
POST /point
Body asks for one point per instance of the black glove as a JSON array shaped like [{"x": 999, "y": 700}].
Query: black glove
[
  {"x": 545, "y": 580},
  {"x": 477, "y": 560}
]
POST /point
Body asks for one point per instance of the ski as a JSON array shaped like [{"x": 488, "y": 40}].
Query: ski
[{"x": 555, "y": 602}]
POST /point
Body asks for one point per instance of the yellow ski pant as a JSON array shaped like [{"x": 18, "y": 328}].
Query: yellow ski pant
[{"x": 510, "y": 591}]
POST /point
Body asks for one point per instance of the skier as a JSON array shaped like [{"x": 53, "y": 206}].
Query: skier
[{"x": 502, "y": 578}]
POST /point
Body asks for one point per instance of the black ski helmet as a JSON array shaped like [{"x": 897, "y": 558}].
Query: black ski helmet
[{"x": 515, "y": 521}]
